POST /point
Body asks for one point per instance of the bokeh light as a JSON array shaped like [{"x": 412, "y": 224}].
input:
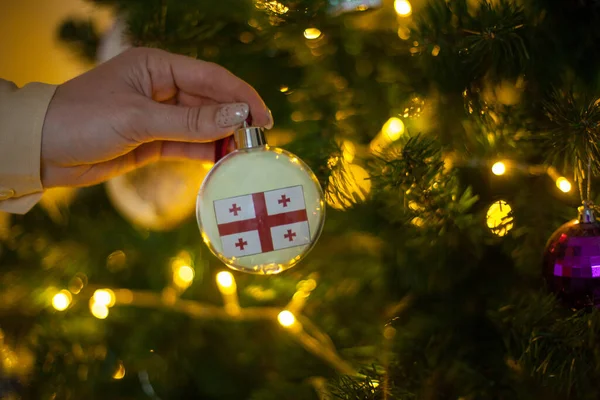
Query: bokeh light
[
  {"x": 563, "y": 184},
  {"x": 499, "y": 168},
  {"x": 393, "y": 128},
  {"x": 286, "y": 318},
  {"x": 312, "y": 33},
  {"x": 403, "y": 8},
  {"x": 98, "y": 310},
  {"x": 120, "y": 371},
  {"x": 62, "y": 300},
  {"x": 498, "y": 218},
  {"x": 105, "y": 297}
]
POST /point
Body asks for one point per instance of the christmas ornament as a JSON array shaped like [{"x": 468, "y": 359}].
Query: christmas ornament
[
  {"x": 572, "y": 260},
  {"x": 260, "y": 209},
  {"x": 337, "y": 7},
  {"x": 158, "y": 196}
]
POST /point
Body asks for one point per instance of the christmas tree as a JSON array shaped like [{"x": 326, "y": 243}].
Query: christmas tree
[{"x": 451, "y": 138}]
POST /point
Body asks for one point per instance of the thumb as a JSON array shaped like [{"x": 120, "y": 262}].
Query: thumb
[{"x": 193, "y": 124}]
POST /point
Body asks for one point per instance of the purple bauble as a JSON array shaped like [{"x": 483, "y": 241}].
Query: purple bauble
[{"x": 572, "y": 264}]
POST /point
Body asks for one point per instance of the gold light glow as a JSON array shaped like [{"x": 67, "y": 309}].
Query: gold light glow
[
  {"x": 563, "y": 184},
  {"x": 348, "y": 151},
  {"x": 499, "y": 168},
  {"x": 226, "y": 282},
  {"x": 62, "y": 300},
  {"x": 183, "y": 276},
  {"x": 312, "y": 33},
  {"x": 403, "y": 8},
  {"x": 120, "y": 372},
  {"x": 393, "y": 128},
  {"x": 498, "y": 219},
  {"x": 286, "y": 319},
  {"x": 105, "y": 297},
  {"x": 98, "y": 310}
]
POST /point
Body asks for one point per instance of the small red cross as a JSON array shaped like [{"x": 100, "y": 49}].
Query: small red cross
[
  {"x": 235, "y": 210},
  {"x": 290, "y": 235},
  {"x": 241, "y": 243},
  {"x": 284, "y": 200}
]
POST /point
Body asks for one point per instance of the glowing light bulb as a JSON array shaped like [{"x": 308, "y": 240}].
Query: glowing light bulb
[
  {"x": 312, "y": 33},
  {"x": 120, "y": 372},
  {"x": 225, "y": 279},
  {"x": 393, "y": 128},
  {"x": 498, "y": 218},
  {"x": 499, "y": 168},
  {"x": 226, "y": 282},
  {"x": 105, "y": 297},
  {"x": 61, "y": 300},
  {"x": 286, "y": 318},
  {"x": 563, "y": 184},
  {"x": 184, "y": 275},
  {"x": 98, "y": 310},
  {"x": 403, "y": 8}
]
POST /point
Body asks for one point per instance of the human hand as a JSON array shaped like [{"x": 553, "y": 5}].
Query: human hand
[{"x": 141, "y": 106}]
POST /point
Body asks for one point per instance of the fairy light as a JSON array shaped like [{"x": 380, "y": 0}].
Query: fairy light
[
  {"x": 104, "y": 297},
  {"x": 312, "y": 33},
  {"x": 563, "y": 184},
  {"x": 183, "y": 276},
  {"x": 286, "y": 319},
  {"x": 499, "y": 168},
  {"x": 226, "y": 282},
  {"x": 228, "y": 289},
  {"x": 62, "y": 300},
  {"x": 120, "y": 372},
  {"x": 403, "y": 8},
  {"x": 498, "y": 218},
  {"x": 98, "y": 310},
  {"x": 393, "y": 128}
]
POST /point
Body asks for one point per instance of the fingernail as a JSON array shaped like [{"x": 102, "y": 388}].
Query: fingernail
[
  {"x": 232, "y": 115},
  {"x": 271, "y": 122}
]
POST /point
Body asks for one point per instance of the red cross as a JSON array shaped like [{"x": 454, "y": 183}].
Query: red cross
[
  {"x": 235, "y": 210},
  {"x": 241, "y": 243},
  {"x": 263, "y": 222},
  {"x": 284, "y": 200},
  {"x": 290, "y": 235}
]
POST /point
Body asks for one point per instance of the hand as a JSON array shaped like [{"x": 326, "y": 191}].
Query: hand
[{"x": 141, "y": 106}]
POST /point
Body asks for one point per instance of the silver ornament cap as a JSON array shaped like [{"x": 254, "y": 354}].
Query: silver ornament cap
[{"x": 249, "y": 137}]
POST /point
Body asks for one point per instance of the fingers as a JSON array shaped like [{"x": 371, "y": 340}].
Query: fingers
[
  {"x": 85, "y": 175},
  {"x": 192, "y": 124},
  {"x": 206, "y": 79}
]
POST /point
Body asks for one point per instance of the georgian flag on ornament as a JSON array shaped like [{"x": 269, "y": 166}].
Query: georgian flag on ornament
[{"x": 262, "y": 222}]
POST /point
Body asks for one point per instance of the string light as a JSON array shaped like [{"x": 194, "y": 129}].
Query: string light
[
  {"x": 393, "y": 128},
  {"x": 98, "y": 310},
  {"x": 312, "y": 33},
  {"x": 390, "y": 132},
  {"x": 563, "y": 184},
  {"x": 499, "y": 168},
  {"x": 183, "y": 276},
  {"x": 120, "y": 372},
  {"x": 498, "y": 218},
  {"x": 62, "y": 300},
  {"x": 226, "y": 282},
  {"x": 286, "y": 319},
  {"x": 403, "y": 8},
  {"x": 104, "y": 297},
  {"x": 228, "y": 289}
]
